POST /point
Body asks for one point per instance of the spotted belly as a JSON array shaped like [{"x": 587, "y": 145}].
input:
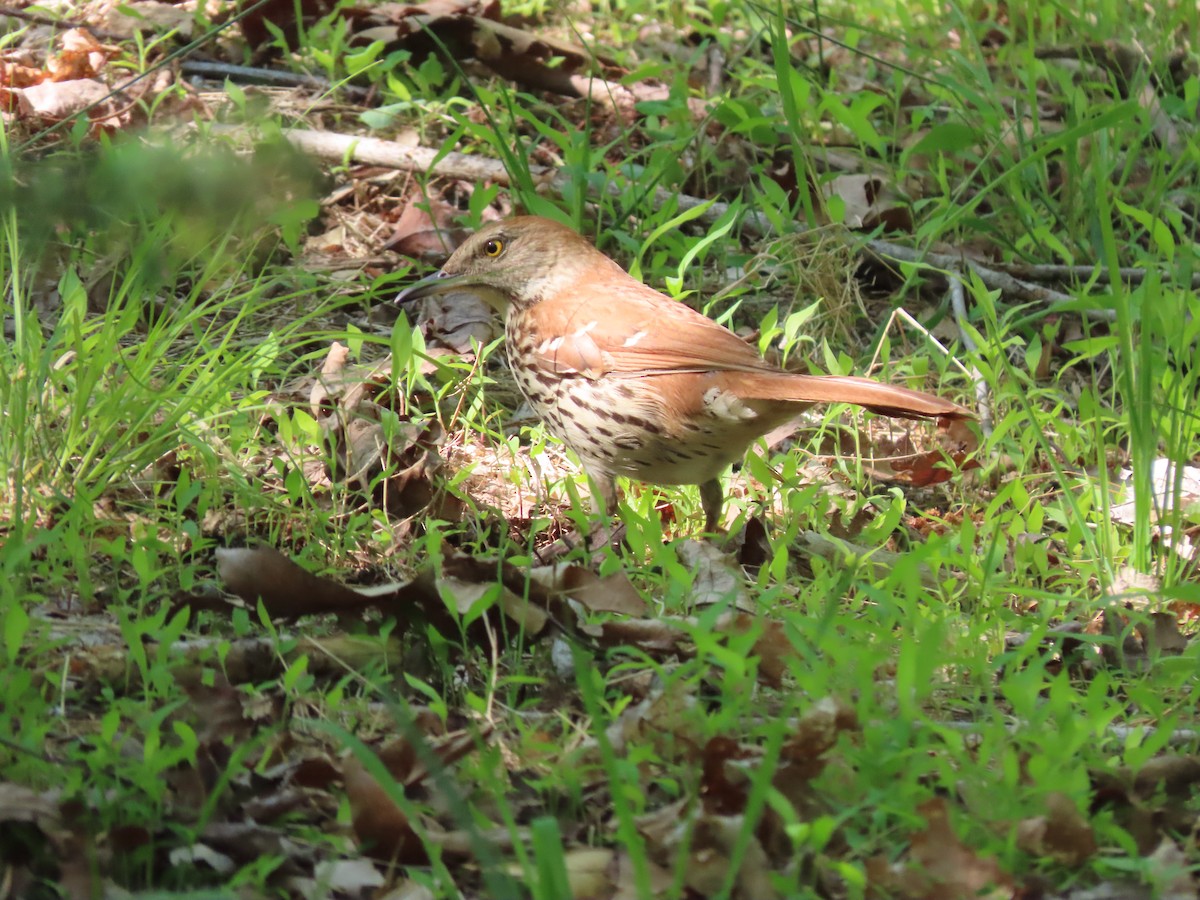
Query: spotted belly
[{"x": 617, "y": 427}]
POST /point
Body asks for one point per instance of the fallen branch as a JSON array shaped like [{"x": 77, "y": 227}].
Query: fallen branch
[
  {"x": 34, "y": 19},
  {"x": 1180, "y": 737},
  {"x": 340, "y": 148},
  {"x": 253, "y": 75},
  {"x": 243, "y": 660},
  {"x": 1052, "y": 272},
  {"x": 373, "y": 151},
  {"x": 983, "y": 404},
  {"x": 991, "y": 278}
]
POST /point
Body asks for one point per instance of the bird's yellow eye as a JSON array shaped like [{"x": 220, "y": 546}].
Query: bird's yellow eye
[{"x": 493, "y": 248}]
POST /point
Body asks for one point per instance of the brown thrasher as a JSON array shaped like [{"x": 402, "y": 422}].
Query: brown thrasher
[{"x": 636, "y": 383}]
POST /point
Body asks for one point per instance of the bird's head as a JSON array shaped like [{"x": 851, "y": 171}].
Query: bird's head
[{"x": 518, "y": 261}]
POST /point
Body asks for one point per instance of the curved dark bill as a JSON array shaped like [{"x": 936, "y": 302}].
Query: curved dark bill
[{"x": 437, "y": 283}]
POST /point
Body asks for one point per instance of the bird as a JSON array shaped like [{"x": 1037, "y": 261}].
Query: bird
[{"x": 635, "y": 383}]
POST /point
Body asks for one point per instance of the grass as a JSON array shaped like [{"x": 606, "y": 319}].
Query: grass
[{"x": 151, "y": 414}]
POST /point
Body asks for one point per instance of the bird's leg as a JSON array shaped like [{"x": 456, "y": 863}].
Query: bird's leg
[
  {"x": 711, "y": 500},
  {"x": 604, "y": 492}
]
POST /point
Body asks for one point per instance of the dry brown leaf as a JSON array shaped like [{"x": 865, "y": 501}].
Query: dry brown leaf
[
  {"x": 420, "y": 235},
  {"x": 348, "y": 877},
  {"x": 716, "y": 578},
  {"x": 947, "y": 867},
  {"x": 901, "y": 463},
  {"x": 14, "y": 75},
  {"x": 21, "y": 804},
  {"x": 81, "y": 56},
  {"x": 150, "y": 15},
  {"x": 817, "y": 732},
  {"x": 286, "y": 590},
  {"x": 626, "y": 882},
  {"x": 1175, "y": 775},
  {"x": 1062, "y": 833},
  {"x": 869, "y": 201},
  {"x": 611, "y": 593},
  {"x": 591, "y": 873},
  {"x": 666, "y": 719},
  {"x": 772, "y": 647},
  {"x": 713, "y": 839},
  {"x": 453, "y": 320},
  {"x": 724, "y": 786},
  {"x": 56, "y": 100},
  {"x": 654, "y": 636},
  {"x": 286, "y": 16},
  {"x": 381, "y": 827}
]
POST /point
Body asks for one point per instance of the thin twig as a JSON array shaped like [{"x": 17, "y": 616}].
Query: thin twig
[
  {"x": 373, "y": 151},
  {"x": 996, "y": 280},
  {"x": 983, "y": 402},
  {"x": 35, "y": 19},
  {"x": 1054, "y": 272},
  {"x": 253, "y": 75},
  {"x": 1179, "y": 737}
]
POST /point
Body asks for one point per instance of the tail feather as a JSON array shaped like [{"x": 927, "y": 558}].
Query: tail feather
[{"x": 885, "y": 399}]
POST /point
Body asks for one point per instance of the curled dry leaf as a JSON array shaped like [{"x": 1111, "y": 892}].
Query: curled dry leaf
[
  {"x": 716, "y": 578},
  {"x": 869, "y": 201},
  {"x": 957, "y": 442},
  {"x": 1164, "y": 500},
  {"x": 939, "y": 866},
  {"x": 81, "y": 56},
  {"x": 1061, "y": 833},
  {"x": 1177, "y": 776},
  {"x": 348, "y": 877},
  {"x": 654, "y": 636},
  {"x": 417, "y": 235},
  {"x": 1136, "y": 638},
  {"x": 15, "y": 75},
  {"x": 666, "y": 719},
  {"x": 464, "y": 589},
  {"x": 380, "y": 826},
  {"x": 25, "y": 805},
  {"x": 150, "y": 15},
  {"x": 361, "y": 447},
  {"x": 286, "y": 590},
  {"x": 455, "y": 319},
  {"x": 591, "y": 872},
  {"x": 53, "y": 101},
  {"x": 724, "y": 785},
  {"x": 817, "y": 731},
  {"x": 611, "y": 593},
  {"x": 711, "y": 841},
  {"x": 772, "y": 647}
]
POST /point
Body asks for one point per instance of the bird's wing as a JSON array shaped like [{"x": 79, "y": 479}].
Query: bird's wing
[{"x": 633, "y": 330}]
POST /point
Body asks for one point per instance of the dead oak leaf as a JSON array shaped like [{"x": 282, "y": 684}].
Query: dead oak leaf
[
  {"x": 939, "y": 865},
  {"x": 1061, "y": 833}
]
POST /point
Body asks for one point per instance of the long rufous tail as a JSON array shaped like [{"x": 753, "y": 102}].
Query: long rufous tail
[{"x": 885, "y": 399}]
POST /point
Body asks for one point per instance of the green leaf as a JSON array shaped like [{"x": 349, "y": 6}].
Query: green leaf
[
  {"x": 948, "y": 138},
  {"x": 16, "y": 624}
]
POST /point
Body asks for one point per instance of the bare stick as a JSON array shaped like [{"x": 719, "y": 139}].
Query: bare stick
[
  {"x": 373, "y": 151},
  {"x": 34, "y": 18},
  {"x": 983, "y": 403},
  {"x": 1051, "y": 272},
  {"x": 1001, "y": 281},
  {"x": 252, "y": 75}
]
